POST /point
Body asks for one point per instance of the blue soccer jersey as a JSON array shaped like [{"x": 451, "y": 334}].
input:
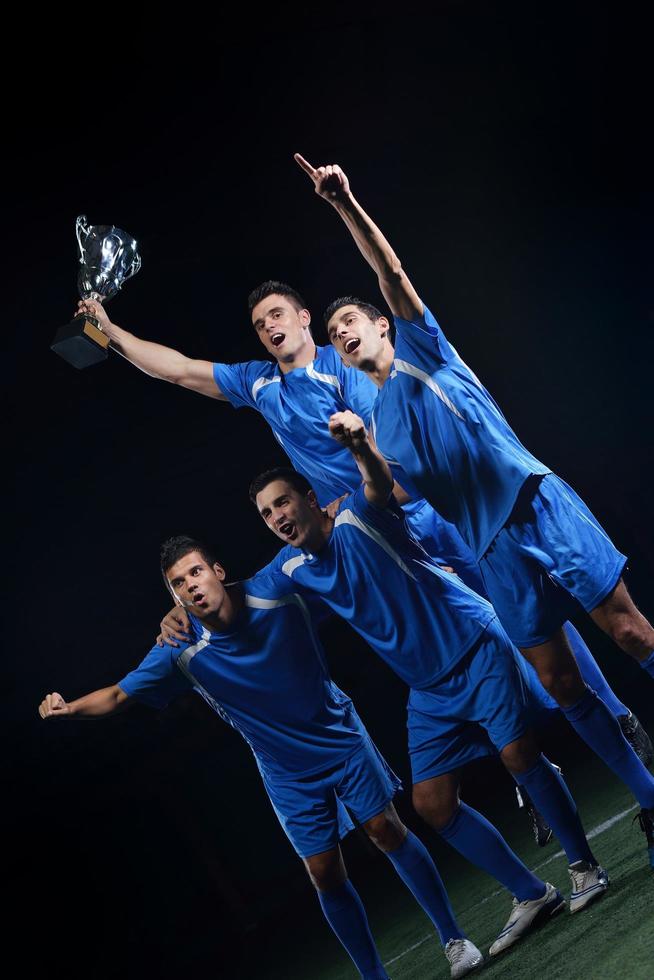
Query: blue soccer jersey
[
  {"x": 297, "y": 406},
  {"x": 419, "y": 619},
  {"x": 435, "y": 419},
  {"x": 266, "y": 676}
]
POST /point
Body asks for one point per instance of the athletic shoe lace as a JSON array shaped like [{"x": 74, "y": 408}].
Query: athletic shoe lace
[{"x": 455, "y": 951}]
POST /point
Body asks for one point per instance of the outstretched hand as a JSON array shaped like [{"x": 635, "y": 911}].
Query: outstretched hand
[
  {"x": 330, "y": 182},
  {"x": 53, "y": 706},
  {"x": 348, "y": 429}
]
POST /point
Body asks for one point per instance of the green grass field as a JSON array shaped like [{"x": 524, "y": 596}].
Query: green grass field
[{"x": 611, "y": 938}]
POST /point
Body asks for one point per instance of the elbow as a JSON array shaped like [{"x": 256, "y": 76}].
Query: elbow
[{"x": 394, "y": 275}]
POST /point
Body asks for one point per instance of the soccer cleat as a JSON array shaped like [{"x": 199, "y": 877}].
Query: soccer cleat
[
  {"x": 539, "y": 825},
  {"x": 463, "y": 957},
  {"x": 527, "y": 915},
  {"x": 637, "y": 737},
  {"x": 589, "y": 882},
  {"x": 646, "y": 820}
]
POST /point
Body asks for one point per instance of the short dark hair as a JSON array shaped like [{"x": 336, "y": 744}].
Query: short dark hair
[
  {"x": 370, "y": 311},
  {"x": 181, "y": 545},
  {"x": 286, "y": 473},
  {"x": 273, "y": 287}
]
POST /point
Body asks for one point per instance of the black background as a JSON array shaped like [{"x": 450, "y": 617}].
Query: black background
[{"x": 503, "y": 149}]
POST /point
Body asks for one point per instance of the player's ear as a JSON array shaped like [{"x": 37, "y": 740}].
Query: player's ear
[
  {"x": 383, "y": 326},
  {"x": 219, "y": 571},
  {"x": 312, "y": 499},
  {"x": 305, "y": 318}
]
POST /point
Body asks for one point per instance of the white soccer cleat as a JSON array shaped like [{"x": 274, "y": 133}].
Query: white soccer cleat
[
  {"x": 588, "y": 883},
  {"x": 527, "y": 915},
  {"x": 463, "y": 957}
]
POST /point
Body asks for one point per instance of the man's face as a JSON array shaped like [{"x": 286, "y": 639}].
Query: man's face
[
  {"x": 294, "y": 517},
  {"x": 283, "y": 330},
  {"x": 197, "y": 585},
  {"x": 358, "y": 339}
]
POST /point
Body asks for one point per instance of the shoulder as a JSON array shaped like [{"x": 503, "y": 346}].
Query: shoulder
[
  {"x": 245, "y": 369},
  {"x": 327, "y": 357},
  {"x": 271, "y": 582}
]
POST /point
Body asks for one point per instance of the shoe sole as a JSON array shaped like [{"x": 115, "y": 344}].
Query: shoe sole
[{"x": 543, "y": 916}]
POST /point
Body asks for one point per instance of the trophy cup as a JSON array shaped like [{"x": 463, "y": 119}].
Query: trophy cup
[{"x": 108, "y": 258}]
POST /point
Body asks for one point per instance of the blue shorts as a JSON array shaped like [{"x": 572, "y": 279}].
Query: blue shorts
[
  {"x": 550, "y": 553},
  {"x": 315, "y": 810},
  {"x": 474, "y": 711}
]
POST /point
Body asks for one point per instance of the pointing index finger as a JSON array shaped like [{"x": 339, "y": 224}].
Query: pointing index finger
[{"x": 306, "y": 166}]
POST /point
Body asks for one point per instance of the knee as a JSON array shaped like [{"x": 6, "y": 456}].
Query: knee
[
  {"x": 326, "y": 871},
  {"x": 386, "y": 831},
  {"x": 625, "y": 631},
  {"x": 520, "y": 755},
  {"x": 563, "y": 683},
  {"x": 436, "y": 807}
]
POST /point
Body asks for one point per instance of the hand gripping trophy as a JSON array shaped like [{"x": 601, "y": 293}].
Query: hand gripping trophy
[{"x": 108, "y": 258}]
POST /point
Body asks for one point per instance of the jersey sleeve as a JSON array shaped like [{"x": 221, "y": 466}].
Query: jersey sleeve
[
  {"x": 363, "y": 508},
  {"x": 156, "y": 680},
  {"x": 272, "y": 583},
  {"x": 425, "y": 336},
  {"x": 236, "y": 381}
]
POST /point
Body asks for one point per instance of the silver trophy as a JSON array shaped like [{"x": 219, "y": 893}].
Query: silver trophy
[{"x": 108, "y": 258}]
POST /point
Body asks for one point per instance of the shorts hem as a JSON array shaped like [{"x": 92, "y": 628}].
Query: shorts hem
[
  {"x": 359, "y": 821},
  {"x": 311, "y": 853},
  {"x": 521, "y": 731},
  {"x": 603, "y": 592},
  {"x": 541, "y": 637},
  {"x": 439, "y": 769}
]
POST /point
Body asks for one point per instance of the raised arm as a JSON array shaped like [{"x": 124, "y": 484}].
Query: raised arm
[
  {"x": 348, "y": 429},
  {"x": 332, "y": 184},
  {"x": 98, "y": 704},
  {"x": 154, "y": 359}
]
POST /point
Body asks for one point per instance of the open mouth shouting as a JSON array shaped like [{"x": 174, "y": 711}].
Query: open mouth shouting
[
  {"x": 276, "y": 339},
  {"x": 288, "y": 530},
  {"x": 199, "y": 600},
  {"x": 351, "y": 345}
]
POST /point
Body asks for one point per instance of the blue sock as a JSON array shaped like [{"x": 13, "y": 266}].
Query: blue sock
[
  {"x": 591, "y": 673},
  {"x": 648, "y": 664},
  {"x": 551, "y": 796},
  {"x": 591, "y": 719},
  {"x": 478, "y": 841},
  {"x": 346, "y": 915},
  {"x": 415, "y": 866}
]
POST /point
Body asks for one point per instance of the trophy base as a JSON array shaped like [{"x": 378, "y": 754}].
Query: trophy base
[{"x": 81, "y": 342}]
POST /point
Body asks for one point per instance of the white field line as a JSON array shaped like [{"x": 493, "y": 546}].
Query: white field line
[{"x": 595, "y": 832}]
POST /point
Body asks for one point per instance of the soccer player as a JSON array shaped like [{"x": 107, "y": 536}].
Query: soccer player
[
  {"x": 257, "y": 662},
  {"x": 445, "y": 642},
  {"x": 297, "y": 393},
  {"x": 537, "y": 544}
]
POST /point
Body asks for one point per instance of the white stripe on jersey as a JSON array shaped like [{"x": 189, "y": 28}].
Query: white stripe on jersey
[
  {"x": 348, "y": 517},
  {"x": 184, "y": 664},
  {"x": 406, "y": 368},
  {"x": 294, "y": 600},
  {"x": 261, "y": 383},
  {"x": 329, "y": 379},
  {"x": 289, "y": 566}
]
